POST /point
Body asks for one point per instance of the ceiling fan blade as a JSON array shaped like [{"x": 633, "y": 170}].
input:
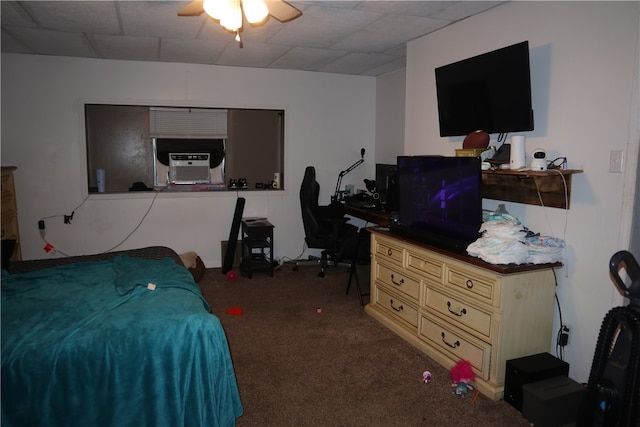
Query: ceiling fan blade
[
  {"x": 282, "y": 11},
  {"x": 192, "y": 9}
]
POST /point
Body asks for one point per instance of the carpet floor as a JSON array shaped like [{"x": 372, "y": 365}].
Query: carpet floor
[{"x": 306, "y": 354}]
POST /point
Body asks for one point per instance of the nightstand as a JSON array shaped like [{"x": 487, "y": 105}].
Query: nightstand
[{"x": 257, "y": 247}]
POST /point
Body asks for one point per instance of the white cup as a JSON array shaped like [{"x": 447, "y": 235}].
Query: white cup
[{"x": 517, "y": 161}]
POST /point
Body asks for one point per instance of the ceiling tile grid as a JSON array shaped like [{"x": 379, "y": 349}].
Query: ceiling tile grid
[{"x": 347, "y": 37}]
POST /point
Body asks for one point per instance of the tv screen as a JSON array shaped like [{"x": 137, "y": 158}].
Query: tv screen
[
  {"x": 489, "y": 92},
  {"x": 439, "y": 200}
]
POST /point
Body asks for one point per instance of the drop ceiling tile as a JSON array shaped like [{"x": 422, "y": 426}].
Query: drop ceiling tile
[
  {"x": 412, "y": 8},
  {"x": 126, "y": 47},
  {"x": 212, "y": 30},
  {"x": 323, "y": 26},
  {"x": 393, "y": 65},
  {"x": 388, "y": 32},
  {"x": 464, "y": 9},
  {"x": 306, "y": 58},
  {"x": 400, "y": 50},
  {"x": 14, "y": 15},
  {"x": 190, "y": 50},
  {"x": 302, "y": 5},
  {"x": 157, "y": 19},
  {"x": 47, "y": 42},
  {"x": 356, "y": 63},
  {"x": 75, "y": 16},
  {"x": 10, "y": 44},
  {"x": 151, "y": 30},
  {"x": 252, "y": 55}
]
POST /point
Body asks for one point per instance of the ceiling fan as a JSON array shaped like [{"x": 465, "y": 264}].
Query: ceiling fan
[{"x": 229, "y": 12}]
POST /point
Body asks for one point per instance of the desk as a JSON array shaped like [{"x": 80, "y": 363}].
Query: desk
[{"x": 380, "y": 218}]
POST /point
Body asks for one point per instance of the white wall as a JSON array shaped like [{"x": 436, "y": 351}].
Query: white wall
[
  {"x": 390, "y": 103},
  {"x": 582, "y": 68},
  {"x": 328, "y": 119}
]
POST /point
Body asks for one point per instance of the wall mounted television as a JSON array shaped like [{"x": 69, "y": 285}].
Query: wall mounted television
[
  {"x": 490, "y": 92},
  {"x": 439, "y": 200}
]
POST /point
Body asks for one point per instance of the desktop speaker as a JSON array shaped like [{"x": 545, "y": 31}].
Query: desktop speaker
[
  {"x": 553, "y": 402},
  {"x": 530, "y": 369}
]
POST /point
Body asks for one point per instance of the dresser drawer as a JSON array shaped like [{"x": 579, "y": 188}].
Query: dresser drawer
[
  {"x": 426, "y": 266},
  {"x": 457, "y": 345},
  {"x": 480, "y": 288},
  {"x": 386, "y": 250},
  {"x": 397, "y": 306},
  {"x": 460, "y": 313},
  {"x": 398, "y": 281}
]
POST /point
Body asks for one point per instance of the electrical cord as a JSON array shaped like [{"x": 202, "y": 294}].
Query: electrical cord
[
  {"x": 562, "y": 335},
  {"x": 68, "y": 218},
  {"x": 139, "y": 223},
  {"x": 566, "y": 210}
]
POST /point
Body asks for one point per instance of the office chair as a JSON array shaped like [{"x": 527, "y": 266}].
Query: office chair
[{"x": 325, "y": 227}]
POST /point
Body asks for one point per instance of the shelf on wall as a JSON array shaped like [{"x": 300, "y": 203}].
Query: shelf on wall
[{"x": 530, "y": 186}]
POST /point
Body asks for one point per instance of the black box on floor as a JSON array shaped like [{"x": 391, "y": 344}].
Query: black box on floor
[
  {"x": 553, "y": 402},
  {"x": 529, "y": 369}
]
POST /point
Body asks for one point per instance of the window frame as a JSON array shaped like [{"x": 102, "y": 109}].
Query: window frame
[{"x": 249, "y": 162}]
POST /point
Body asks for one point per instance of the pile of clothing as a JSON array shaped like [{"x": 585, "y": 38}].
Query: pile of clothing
[{"x": 505, "y": 240}]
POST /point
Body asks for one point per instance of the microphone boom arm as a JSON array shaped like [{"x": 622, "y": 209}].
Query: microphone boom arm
[{"x": 341, "y": 175}]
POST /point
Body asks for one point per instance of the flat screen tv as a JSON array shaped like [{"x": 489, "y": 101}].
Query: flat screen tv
[
  {"x": 439, "y": 200},
  {"x": 489, "y": 92}
]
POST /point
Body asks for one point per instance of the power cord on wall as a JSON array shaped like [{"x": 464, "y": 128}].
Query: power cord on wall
[
  {"x": 562, "y": 337},
  {"x": 566, "y": 210},
  {"x": 49, "y": 247}
]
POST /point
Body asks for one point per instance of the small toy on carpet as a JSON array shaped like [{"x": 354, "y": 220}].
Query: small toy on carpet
[
  {"x": 426, "y": 377},
  {"x": 462, "y": 375},
  {"x": 235, "y": 311}
]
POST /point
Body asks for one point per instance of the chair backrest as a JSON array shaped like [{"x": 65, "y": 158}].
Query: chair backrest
[{"x": 309, "y": 193}]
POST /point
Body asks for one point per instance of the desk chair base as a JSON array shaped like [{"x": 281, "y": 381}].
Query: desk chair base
[{"x": 323, "y": 261}]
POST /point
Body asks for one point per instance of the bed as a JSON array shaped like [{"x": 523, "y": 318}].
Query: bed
[{"x": 119, "y": 339}]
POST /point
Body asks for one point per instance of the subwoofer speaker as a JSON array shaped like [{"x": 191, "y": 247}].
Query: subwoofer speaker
[{"x": 527, "y": 370}]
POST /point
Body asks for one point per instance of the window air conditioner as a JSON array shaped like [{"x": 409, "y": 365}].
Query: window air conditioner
[{"x": 188, "y": 168}]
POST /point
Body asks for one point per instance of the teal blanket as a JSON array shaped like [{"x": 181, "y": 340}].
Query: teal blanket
[{"x": 125, "y": 342}]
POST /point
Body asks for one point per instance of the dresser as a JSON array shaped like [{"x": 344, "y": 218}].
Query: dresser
[
  {"x": 10, "y": 211},
  {"x": 454, "y": 307}
]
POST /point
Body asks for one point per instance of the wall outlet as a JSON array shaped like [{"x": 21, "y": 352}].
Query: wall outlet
[
  {"x": 616, "y": 161},
  {"x": 563, "y": 339}
]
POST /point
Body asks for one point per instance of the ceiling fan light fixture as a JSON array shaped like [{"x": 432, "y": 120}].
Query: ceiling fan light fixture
[
  {"x": 255, "y": 11},
  {"x": 232, "y": 19},
  {"x": 215, "y": 8},
  {"x": 227, "y": 12}
]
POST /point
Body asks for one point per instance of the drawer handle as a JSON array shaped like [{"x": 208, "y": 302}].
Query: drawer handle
[
  {"x": 389, "y": 251},
  {"x": 469, "y": 283},
  {"x": 396, "y": 309},
  {"x": 456, "y": 313},
  {"x": 396, "y": 283},
  {"x": 454, "y": 345}
]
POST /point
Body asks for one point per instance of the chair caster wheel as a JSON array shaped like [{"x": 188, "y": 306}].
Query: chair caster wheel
[{"x": 321, "y": 274}]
